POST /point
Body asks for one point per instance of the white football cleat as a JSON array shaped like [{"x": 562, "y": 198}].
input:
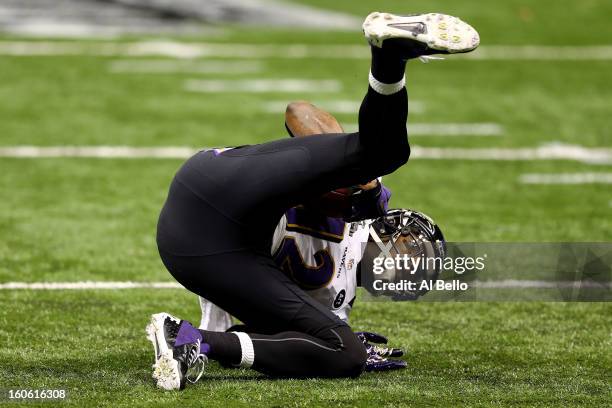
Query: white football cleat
[
  {"x": 176, "y": 362},
  {"x": 418, "y": 35}
]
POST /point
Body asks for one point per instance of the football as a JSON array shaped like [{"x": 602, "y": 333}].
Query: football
[
  {"x": 302, "y": 119},
  {"x": 336, "y": 203}
]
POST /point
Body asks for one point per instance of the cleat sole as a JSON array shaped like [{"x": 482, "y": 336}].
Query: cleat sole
[
  {"x": 464, "y": 39},
  {"x": 166, "y": 371}
]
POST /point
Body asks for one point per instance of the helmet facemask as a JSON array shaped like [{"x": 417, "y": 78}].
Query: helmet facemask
[{"x": 416, "y": 241}]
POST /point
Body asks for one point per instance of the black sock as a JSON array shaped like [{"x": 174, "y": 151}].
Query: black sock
[
  {"x": 224, "y": 347},
  {"x": 387, "y": 67}
]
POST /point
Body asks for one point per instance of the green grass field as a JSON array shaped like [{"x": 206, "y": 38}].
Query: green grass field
[{"x": 82, "y": 219}]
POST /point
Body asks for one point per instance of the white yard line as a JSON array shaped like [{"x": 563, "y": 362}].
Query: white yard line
[
  {"x": 177, "y": 49},
  {"x": 87, "y": 285},
  {"x": 541, "y": 53},
  {"x": 259, "y": 85},
  {"x": 456, "y": 129},
  {"x": 41, "y": 27},
  {"x": 98, "y": 152},
  {"x": 103, "y": 285},
  {"x": 547, "y": 152},
  {"x": 346, "y": 106},
  {"x": 169, "y": 66},
  {"x": 566, "y": 178},
  {"x": 446, "y": 129}
]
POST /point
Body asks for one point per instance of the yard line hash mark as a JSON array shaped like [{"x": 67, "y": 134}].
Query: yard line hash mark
[
  {"x": 259, "y": 85},
  {"x": 566, "y": 178},
  {"x": 172, "y": 66}
]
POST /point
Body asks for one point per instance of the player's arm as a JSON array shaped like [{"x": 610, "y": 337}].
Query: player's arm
[{"x": 369, "y": 203}]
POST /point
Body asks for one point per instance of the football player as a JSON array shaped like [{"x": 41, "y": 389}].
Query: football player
[
  {"x": 320, "y": 253},
  {"x": 215, "y": 230}
]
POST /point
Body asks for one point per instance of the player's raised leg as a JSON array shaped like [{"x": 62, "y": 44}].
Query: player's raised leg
[{"x": 394, "y": 40}]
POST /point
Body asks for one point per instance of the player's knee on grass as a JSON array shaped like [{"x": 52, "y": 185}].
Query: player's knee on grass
[
  {"x": 351, "y": 362},
  {"x": 355, "y": 359}
]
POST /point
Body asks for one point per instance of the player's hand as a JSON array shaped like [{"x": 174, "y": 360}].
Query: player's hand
[
  {"x": 377, "y": 355},
  {"x": 369, "y": 185}
]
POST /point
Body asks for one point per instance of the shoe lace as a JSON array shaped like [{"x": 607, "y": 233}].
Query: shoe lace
[
  {"x": 426, "y": 58},
  {"x": 196, "y": 362},
  {"x": 172, "y": 328}
]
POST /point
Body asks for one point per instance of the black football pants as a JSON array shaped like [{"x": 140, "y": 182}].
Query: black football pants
[{"x": 215, "y": 231}]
